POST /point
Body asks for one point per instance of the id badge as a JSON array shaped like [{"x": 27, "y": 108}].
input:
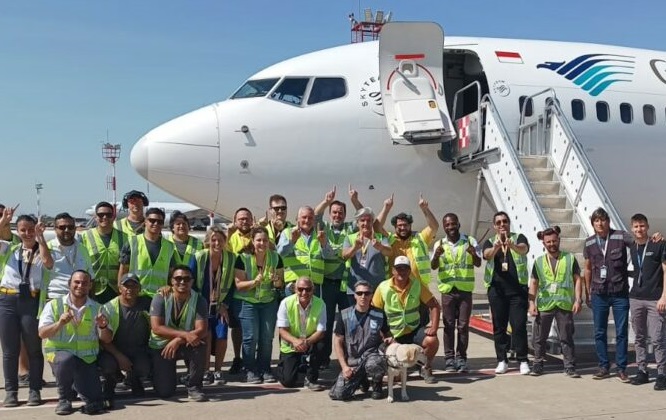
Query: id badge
[
  {"x": 505, "y": 266},
  {"x": 603, "y": 272},
  {"x": 552, "y": 289}
]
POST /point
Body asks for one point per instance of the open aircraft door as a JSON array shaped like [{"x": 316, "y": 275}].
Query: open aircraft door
[{"x": 410, "y": 71}]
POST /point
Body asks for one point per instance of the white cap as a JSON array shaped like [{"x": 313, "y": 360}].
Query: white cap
[{"x": 401, "y": 260}]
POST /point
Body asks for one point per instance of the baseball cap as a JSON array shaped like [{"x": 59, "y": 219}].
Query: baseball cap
[
  {"x": 401, "y": 260},
  {"x": 129, "y": 277}
]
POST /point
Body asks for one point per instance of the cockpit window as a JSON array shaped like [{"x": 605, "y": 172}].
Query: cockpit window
[
  {"x": 326, "y": 89},
  {"x": 255, "y": 88},
  {"x": 291, "y": 90}
]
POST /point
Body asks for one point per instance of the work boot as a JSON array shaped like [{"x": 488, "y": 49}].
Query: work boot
[
  {"x": 34, "y": 398},
  {"x": 602, "y": 373},
  {"x": 196, "y": 394},
  {"x": 313, "y": 386},
  {"x": 11, "y": 399},
  {"x": 64, "y": 407},
  {"x": 376, "y": 391},
  {"x": 660, "y": 383},
  {"x": 641, "y": 378},
  {"x": 93, "y": 408}
]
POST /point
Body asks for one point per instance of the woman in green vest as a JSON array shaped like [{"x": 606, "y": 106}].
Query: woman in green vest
[
  {"x": 259, "y": 271},
  {"x": 186, "y": 245}
]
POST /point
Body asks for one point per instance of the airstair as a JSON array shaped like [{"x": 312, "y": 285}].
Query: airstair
[{"x": 541, "y": 178}]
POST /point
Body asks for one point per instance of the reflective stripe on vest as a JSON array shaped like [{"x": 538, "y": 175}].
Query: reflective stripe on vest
[
  {"x": 104, "y": 259},
  {"x": 193, "y": 245},
  {"x": 556, "y": 290},
  {"x": 186, "y": 323},
  {"x": 226, "y": 279},
  {"x": 455, "y": 271},
  {"x": 419, "y": 254},
  {"x": 80, "y": 338},
  {"x": 519, "y": 260},
  {"x": 402, "y": 319},
  {"x": 294, "y": 317},
  {"x": 304, "y": 261},
  {"x": 237, "y": 242},
  {"x": 264, "y": 293},
  {"x": 336, "y": 241},
  {"x": 152, "y": 276},
  {"x": 124, "y": 226}
]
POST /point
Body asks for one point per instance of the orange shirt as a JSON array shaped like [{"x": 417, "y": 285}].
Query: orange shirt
[{"x": 378, "y": 301}]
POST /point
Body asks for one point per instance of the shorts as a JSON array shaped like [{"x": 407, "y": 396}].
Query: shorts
[{"x": 414, "y": 337}]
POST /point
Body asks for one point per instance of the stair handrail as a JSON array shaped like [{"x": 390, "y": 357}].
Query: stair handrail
[
  {"x": 523, "y": 110},
  {"x": 469, "y": 86},
  {"x": 589, "y": 169},
  {"x": 487, "y": 99}
]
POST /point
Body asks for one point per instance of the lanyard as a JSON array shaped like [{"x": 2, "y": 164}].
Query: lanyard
[
  {"x": 73, "y": 260},
  {"x": 25, "y": 278},
  {"x": 605, "y": 247},
  {"x": 303, "y": 315},
  {"x": 214, "y": 279},
  {"x": 557, "y": 265},
  {"x": 639, "y": 260}
]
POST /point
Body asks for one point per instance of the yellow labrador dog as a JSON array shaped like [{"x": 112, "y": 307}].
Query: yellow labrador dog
[{"x": 401, "y": 357}]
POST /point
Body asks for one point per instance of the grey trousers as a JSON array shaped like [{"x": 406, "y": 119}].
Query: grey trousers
[
  {"x": 565, "y": 327},
  {"x": 69, "y": 371},
  {"x": 648, "y": 322}
]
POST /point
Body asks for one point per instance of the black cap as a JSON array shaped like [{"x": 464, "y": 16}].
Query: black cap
[{"x": 129, "y": 277}]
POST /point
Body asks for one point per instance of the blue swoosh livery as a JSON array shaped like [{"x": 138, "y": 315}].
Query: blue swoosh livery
[{"x": 594, "y": 73}]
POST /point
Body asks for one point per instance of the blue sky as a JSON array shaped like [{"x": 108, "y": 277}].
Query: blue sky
[{"x": 72, "y": 69}]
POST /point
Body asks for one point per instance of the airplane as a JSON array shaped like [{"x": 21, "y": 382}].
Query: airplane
[{"x": 464, "y": 121}]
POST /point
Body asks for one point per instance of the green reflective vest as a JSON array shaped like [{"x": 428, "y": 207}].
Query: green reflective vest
[
  {"x": 402, "y": 319},
  {"x": 193, "y": 245},
  {"x": 419, "y": 254},
  {"x": 264, "y": 293},
  {"x": 226, "y": 276},
  {"x": 188, "y": 315},
  {"x": 152, "y": 276},
  {"x": 305, "y": 260},
  {"x": 455, "y": 271},
  {"x": 80, "y": 338},
  {"x": 125, "y": 227},
  {"x": 237, "y": 242},
  {"x": 111, "y": 310},
  {"x": 336, "y": 241},
  {"x": 519, "y": 260},
  {"x": 105, "y": 260},
  {"x": 4, "y": 257},
  {"x": 556, "y": 289},
  {"x": 272, "y": 236},
  {"x": 293, "y": 315}
]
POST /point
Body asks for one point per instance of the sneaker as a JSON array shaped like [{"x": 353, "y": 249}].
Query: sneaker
[
  {"x": 209, "y": 378},
  {"x": 64, "y": 408},
  {"x": 252, "y": 378},
  {"x": 109, "y": 404},
  {"x": 11, "y": 399},
  {"x": 93, "y": 408},
  {"x": 219, "y": 378},
  {"x": 313, "y": 386},
  {"x": 196, "y": 395},
  {"x": 24, "y": 380},
  {"x": 602, "y": 373},
  {"x": 236, "y": 366},
  {"x": 428, "y": 377},
  {"x": 537, "y": 369},
  {"x": 660, "y": 383},
  {"x": 571, "y": 373},
  {"x": 184, "y": 379},
  {"x": 524, "y": 368},
  {"x": 269, "y": 378},
  {"x": 623, "y": 377},
  {"x": 34, "y": 398},
  {"x": 450, "y": 366},
  {"x": 462, "y": 366},
  {"x": 501, "y": 367},
  {"x": 641, "y": 378},
  {"x": 377, "y": 391}
]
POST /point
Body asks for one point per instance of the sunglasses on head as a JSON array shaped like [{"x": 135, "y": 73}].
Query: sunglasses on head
[{"x": 361, "y": 293}]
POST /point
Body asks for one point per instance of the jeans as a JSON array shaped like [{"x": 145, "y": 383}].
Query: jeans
[
  {"x": 601, "y": 305},
  {"x": 258, "y": 325}
]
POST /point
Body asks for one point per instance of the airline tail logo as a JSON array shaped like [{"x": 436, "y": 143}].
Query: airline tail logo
[{"x": 594, "y": 73}]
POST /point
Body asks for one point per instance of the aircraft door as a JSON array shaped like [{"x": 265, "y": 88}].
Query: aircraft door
[{"x": 411, "y": 76}]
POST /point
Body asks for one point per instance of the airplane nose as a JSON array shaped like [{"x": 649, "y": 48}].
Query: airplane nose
[{"x": 183, "y": 156}]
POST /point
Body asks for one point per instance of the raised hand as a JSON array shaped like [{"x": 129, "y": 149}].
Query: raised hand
[
  {"x": 330, "y": 196},
  {"x": 295, "y": 234},
  {"x": 101, "y": 321},
  {"x": 388, "y": 203},
  {"x": 423, "y": 203},
  {"x": 353, "y": 194},
  {"x": 7, "y": 216}
]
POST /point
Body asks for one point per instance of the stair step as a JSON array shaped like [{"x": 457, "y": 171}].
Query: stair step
[
  {"x": 573, "y": 245},
  {"x": 569, "y": 230},
  {"x": 555, "y": 216},
  {"x": 539, "y": 174},
  {"x": 552, "y": 201},
  {"x": 529, "y": 162},
  {"x": 546, "y": 187}
]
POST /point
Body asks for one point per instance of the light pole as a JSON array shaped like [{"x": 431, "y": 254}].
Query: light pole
[
  {"x": 39, "y": 187},
  {"x": 111, "y": 153}
]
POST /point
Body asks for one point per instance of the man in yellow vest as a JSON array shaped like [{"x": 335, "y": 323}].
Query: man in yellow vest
[
  {"x": 275, "y": 220},
  {"x": 134, "y": 201},
  {"x": 301, "y": 322},
  {"x": 239, "y": 232},
  {"x": 179, "y": 324},
  {"x": 506, "y": 279},
  {"x": 149, "y": 256},
  {"x": 70, "y": 327},
  {"x": 557, "y": 288},
  {"x": 104, "y": 243},
  {"x": 454, "y": 258},
  {"x": 400, "y": 298},
  {"x": 303, "y": 250}
]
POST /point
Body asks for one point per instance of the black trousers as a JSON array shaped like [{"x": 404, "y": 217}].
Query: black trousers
[
  {"x": 71, "y": 371},
  {"x": 288, "y": 366},
  {"x": 164, "y": 371},
  {"x": 509, "y": 309},
  {"x": 141, "y": 365}
]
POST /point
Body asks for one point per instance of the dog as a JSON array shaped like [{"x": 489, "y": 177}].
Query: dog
[{"x": 401, "y": 357}]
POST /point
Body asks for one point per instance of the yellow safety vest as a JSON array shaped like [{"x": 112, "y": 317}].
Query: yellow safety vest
[
  {"x": 152, "y": 276},
  {"x": 455, "y": 271},
  {"x": 111, "y": 310},
  {"x": 125, "y": 227},
  {"x": 419, "y": 253},
  {"x": 294, "y": 316},
  {"x": 105, "y": 260},
  {"x": 80, "y": 338},
  {"x": 519, "y": 260},
  {"x": 193, "y": 245},
  {"x": 226, "y": 278},
  {"x": 237, "y": 242},
  {"x": 304, "y": 261},
  {"x": 265, "y": 292},
  {"x": 402, "y": 319},
  {"x": 556, "y": 290},
  {"x": 185, "y": 323}
]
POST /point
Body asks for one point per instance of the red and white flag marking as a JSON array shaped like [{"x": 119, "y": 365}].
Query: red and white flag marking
[
  {"x": 463, "y": 132},
  {"x": 509, "y": 57}
]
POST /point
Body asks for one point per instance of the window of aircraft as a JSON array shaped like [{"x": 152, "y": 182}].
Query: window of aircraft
[
  {"x": 649, "y": 115},
  {"x": 603, "y": 113},
  {"x": 528, "y": 108},
  {"x": 626, "y": 113},
  {"x": 578, "y": 109},
  {"x": 291, "y": 90},
  {"x": 255, "y": 88},
  {"x": 326, "y": 89}
]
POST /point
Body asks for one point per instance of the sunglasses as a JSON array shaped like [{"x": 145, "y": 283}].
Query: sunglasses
[
  {"x": 502, "y": 222},
  {"x": 279, "y": 208},
  {"x": 105, "y": 215},
  {"x": 66, "y": 227},
  {"x": 181, "y": 279},
  {"x": 363, "y": 293},
  {"x": 304, "y": 289},
  {"x": 155, "y": 221}
]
